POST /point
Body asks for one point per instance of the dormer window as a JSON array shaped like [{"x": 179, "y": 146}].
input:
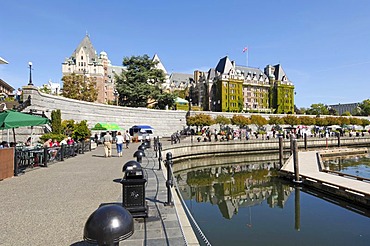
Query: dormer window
[{"x": 82, "y": 57}]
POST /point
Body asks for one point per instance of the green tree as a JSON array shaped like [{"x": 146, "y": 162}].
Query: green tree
[
  {"x": 365, "y": 122},
  {"x": 291, "y": 120},
  {"x": 346, "y": 113},
  {"x": 318, "y": 109},
  {"x": 240, "y": 120},
  {"x": 222, "y": 120},
  {"x": 274, "y": 120},
  {"x": 333, "y": 121},
  {"x": 45, "y": 89},
  {"x": 365, "y": 107},
  {"x": 140, "y": 84},
  {"x": 200, "y": 120},
  {"x": 81, "y": 131},
  {"x": 321, "y": 121},
  {"x": 80, "y": 87},
  {"x": 307, "y": 120},
  {"x": 68, "y": 127},
  {"x": 165, "y": 99},
  {"x": 258, "y": 120},
  {"x": 56, "y": 121},
  {"x": 355, "y": 121},
  {"x": 343, "y": 121}
]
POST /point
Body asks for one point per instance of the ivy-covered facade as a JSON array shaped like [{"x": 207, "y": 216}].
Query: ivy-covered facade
[{"x": 235, "y": 88}]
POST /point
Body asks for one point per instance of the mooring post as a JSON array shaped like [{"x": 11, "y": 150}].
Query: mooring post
[
  {"x": 295, "y": 162},
  {"x": 159, "y": 155},
  {"x": 281, "y": 149},
  {"x": 291, "y": 143},
  {"x": 297, "y": 210},
  {"x": 338, "y": 135},
  {"x": 305, "y": 141}
]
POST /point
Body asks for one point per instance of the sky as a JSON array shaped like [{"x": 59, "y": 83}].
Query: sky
[{"x": 323, "y": 46}]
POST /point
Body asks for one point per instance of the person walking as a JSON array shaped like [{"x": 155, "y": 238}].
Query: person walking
[
  {"x": 119, "y": 144},
  {"x": 127, "y": 138},
  {"x": 108, "y": 144}
]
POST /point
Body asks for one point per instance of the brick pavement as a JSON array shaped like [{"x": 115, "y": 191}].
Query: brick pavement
[{"x": 49, "y": 206}]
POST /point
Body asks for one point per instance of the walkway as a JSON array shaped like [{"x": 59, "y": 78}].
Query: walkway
[
  {"x": 309, "y": 169},
  {"x": 49, "y": 206}
]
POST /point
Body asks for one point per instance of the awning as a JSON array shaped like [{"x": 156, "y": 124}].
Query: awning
[{"x": 106, "y": 127}]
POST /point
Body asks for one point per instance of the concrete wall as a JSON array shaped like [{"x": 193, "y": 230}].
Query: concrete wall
[{"x": 165, "y": 122}]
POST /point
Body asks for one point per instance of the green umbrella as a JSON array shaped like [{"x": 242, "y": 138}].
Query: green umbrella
[
  {"x": 106, "y": 127},
  {"x": 10, "y": 119}
]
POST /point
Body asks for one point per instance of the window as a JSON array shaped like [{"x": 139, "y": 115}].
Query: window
[{"x": 82, "y": 57}]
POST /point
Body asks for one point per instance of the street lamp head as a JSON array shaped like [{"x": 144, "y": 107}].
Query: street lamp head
[{"x": 30, "y": 64}]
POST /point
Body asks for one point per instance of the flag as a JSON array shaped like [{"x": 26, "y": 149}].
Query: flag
[{"x": 245, "y": 49}]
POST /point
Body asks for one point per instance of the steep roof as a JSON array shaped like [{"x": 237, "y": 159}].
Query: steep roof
[
  {"x": 224, "y": 65},
  {"x": 3, "y": 61},
  {"x": 280, "y": 73},
  {"x": 159, "y": 65},
  {"x": 89, "y": 49}
]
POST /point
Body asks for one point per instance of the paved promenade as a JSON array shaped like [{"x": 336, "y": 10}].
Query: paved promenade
[{"x": 49, "y": 206}]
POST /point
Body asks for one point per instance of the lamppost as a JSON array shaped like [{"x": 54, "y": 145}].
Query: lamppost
[
  {"x": 115, "y": 93},
  {"x": 30, "y": 66}
]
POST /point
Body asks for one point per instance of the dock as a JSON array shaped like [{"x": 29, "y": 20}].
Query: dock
[{"x": 314, "y": 175}]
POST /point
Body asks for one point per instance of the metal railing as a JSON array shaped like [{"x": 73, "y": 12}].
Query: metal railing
[
  {"x": 172, "y": 182},
  {"x": 28, "y": 158}
]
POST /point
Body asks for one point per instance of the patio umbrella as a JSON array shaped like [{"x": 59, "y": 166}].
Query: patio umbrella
[
  {"x": 106, "y": 127},
  {"x": 10, "y": 119}
]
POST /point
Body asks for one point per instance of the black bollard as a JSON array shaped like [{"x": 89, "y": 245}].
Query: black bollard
[
  {"x": 295, "y": 162},
  {"x": 139, "y": 154},
  {"x": 83, "y": 147},
  {"x": 305, "y": 141},
  {"x": 169, "y": 182},
  {"x": 338, "y": 135},
  {"x": 281, "y": 151},
  {"x": 159, "y": 155}
]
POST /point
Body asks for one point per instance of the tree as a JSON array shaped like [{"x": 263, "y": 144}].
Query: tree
[
  {"x": 81, "y": 131},
  {"x": 240, "y": 120},
  {"x": 365, "y": 122},
  {"x": 291, "y": 120},
  {"x": 307, "y": 120},
  {"x": 333, "y": 121},
  {"x": 274, "y": 120},
  {"x": 199, "y": 120},
  {"x": 165, "y": 99},
  {"x": 318, "y": 109},
  {"x": 344, "y": 121},
  {"x": 321, "y": 121},
  {"x": 140, "y": 84},
  {"x": 346, "y": 113},
  {"x": 365, "y": 107},
  {"x": 258, "y": 120},
  {"x": 222, "y": 120},
  {"x": 56, "y": 121},
  {"x": 80, "y": 87},
  {"x": 355, "y": 121}
]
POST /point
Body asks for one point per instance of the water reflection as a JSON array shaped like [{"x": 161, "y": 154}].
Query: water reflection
[
  {"x": 233, "y": 186},
  {"x": 245, "y": 203},
  {"x": 357, "y": 165}
]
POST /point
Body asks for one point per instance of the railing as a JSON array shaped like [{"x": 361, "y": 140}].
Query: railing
[{"x": 28, "y": 158}]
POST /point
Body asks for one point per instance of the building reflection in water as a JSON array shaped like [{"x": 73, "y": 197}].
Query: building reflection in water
[{"x": 233, "y": 186}]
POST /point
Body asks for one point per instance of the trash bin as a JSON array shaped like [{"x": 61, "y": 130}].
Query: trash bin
[{"x": 133, "y": 189}]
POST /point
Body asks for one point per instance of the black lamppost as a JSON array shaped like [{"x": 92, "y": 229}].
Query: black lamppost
[
  {"x": 115, "y": 93},
  {"x": 30, "y": 66}
]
